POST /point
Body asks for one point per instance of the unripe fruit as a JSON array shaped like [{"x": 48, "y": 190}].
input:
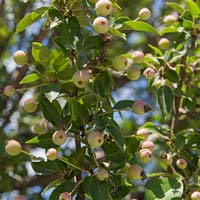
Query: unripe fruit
[
  {"x": 102, "y": 174},
  {"x": 9, "y": 90},
  {"x": 139, "y": 107},
  {"x": 20, "y": 197},
  {"x": 95, "y": 139},
  {"x": 135, "y": 172},
  {"x": 181, "y": 163},
  {"x": 144, "y": 14},
  {"x": 52, "y": 154},
  {"x": 195, "y": 195},
  {"x": 81, "y": 78},
  {"x": 133, "y": 73},
  {"x": 30, "y": 105},
  {"x": 59, "y": 137},
  {"x": 41, "y": 127},
  {"x": 145, "y": 155},
  {"x": 164, "y": 43},
  {"x": 119, "y": 63},
  {"x": 167, "y": 158},
  {"x": 138, "y": 56},
  {"x": 149, "y": 73},
  {"x": 198, "y": 163},
  {"x": 13, "y": 148},
  {"x": 169, "y": 19},
  {"x": 147, "y": 145},
  {"x": 20, "y": 57},
  {"x": 143, "y": 132},
  {"x": 101, "y": 25},
  {"x": 65, "y": 196},
  {"x": 103, "y": 7}
]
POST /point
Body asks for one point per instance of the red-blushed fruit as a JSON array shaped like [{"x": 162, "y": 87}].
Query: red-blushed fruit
[
  {"x": 144, "y": 14},
  {"x": 102, "y": 174},
  {"x": 133, "y": 73},
  {"x": 20, "y": 197},
  {"x": 139, "y": 107},
  {"x": 65, "y": 196},
  {"x": 9, "y": 90},
  {"x": 119, "y": 63},
  {"x": 167, "y": 158},
  {"x": 30, "y": 105},
  {"x": 195, "y": 195},
  {"x": 52, "y": 154},
  {"x": 103, "y": 7},
  {"x": 95, "y": 139},
  {"x": 164, "y": 43},
  {"x": 138, "y": 56},
  {"x": 149, "y": 73},
  {"x": 59, "y": 137},
  {"x": 13, "y": 148},
  {"x": 148, "y": 145},
  {"x": 143, "y": 132},
  {"x": 101, "y": 25},
  {"x": 81, "y": 78},
  {"x": 135, "y": 172},
  {"x": 169, "y": 19},
  {"x": 20, "y": 57},
  {"x": 145, "y": 155},
  {"x": 181, "y": 163}
]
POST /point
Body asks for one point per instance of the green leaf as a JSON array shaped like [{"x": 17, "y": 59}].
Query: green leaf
[
  {"x": 29, "y": 78},
  {"x": 52, "y": 184},
  {"x": 117, "y": 33},
  {"x": 123, "y": 104},
  {"x": 49, "y": 111},
  {"x": 176, "y": 7},
  {"x": 198, "y": 3},
  {"x": 116, "y": 135},
  {"x": 193, "y": 8},
  {"x": 172, "y": 76},
  {"x": 165, "y": 188},
  {"x": 139, "y": 26},
  {"x": 120, "y": 192},
  {"x": 172, "y": 29},
  {"x": 98, "y": 190},
  {"x": 43, "y": 141},
  {"x": 31, "y": 18},
  {"x": 49, "y": 167},
  {"x": 93, "y": 42},
  {"x": 165, "y": 99},
  {"x": 156, "y": 50},
  {"x": 41, "y": 53}
]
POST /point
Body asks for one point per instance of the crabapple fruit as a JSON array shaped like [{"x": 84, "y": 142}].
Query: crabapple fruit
[
  {"x": 143, "y": 132},
  {"x": 169, "y": 19},
  {"x": 119, "y": 63},
  {"x": 198, "y": 162},
  {"x": 101, "y": 25},
  {"x": 65, "y": 196},
  {"x": 139, "y": 107},
  {"x": 181, "y": 163},
  {"x": 102, "y": 174},
  {"x": 144, "y": 14},
  {"x": 138, "y": 56},
  {"x": 145, "y": 155},
  {"x": 30, "y": 105},
  {"x": 147, "y": 145},
  {"x": 195, "y": 195},
  {"x": 9, "y": 90},
  {"x": 135, "y": 172},
  {"x": 52, "y": 154},
  {"x": 81, "y": 78},
  {"x": 167, "y": 158},
  {"x": 13, "y": 148},
  {"x": 20, "y": 57},
  {"x": 133, "y": 73},
  {"x": 95, "y": 139},
  {"x": 20, "y": 197},
  {"x": 149, "y": 73},
  {"x": 40, "y": 127},
  {"x": 103, "y": 7},
  {"x": 164, "y": 43},
  {"x": 59, "y": 137}
]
